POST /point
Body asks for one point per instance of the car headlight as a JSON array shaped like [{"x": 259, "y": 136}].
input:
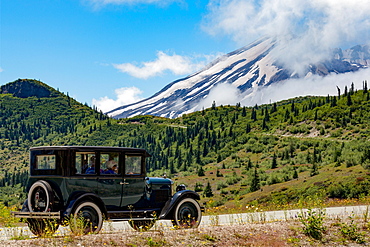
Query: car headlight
[{"x": 180, "y": 187}]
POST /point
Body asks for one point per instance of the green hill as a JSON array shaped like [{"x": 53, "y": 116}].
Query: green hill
[{"x": 274, "y": 154}]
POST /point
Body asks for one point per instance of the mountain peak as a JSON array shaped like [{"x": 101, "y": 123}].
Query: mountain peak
[
  {"x": 246, "y": 70},
  {"x": 24, "y": 88}
]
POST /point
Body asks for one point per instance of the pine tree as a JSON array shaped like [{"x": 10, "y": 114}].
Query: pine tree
[
  {"x": 349, "y": 99},
  {"x": 333, "y": 101},
  {"x": 214, "y": 105},
  {"x": 201, "y": 172},
  {"x": 295, "y": 174},
  {"x": 274, "y": 108},
  {"x": 208, "y": 190},
  {"x": 365, "y": 86},
  {"x": 274, "y": 162},
  {"x": 338, "y": 92},
  {"x": 244, "y": 112},
  {"x": 218, "y": 173},
  {"x": 248, "y": 128},
  {"x": 314, "y": 170},
  {"x": 255, "y": 183},
  {"x": 254, "y": 115},
  {"x": 264, "y": 125}
]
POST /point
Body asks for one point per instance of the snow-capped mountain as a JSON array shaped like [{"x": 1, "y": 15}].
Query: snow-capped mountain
[{"x": 247, "y": 68}]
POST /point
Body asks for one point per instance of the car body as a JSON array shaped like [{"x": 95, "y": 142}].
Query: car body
[{"x": 94, "y": 183}]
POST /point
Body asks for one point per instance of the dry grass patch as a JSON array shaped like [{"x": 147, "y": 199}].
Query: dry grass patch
[{"x": 272, "y": 234}]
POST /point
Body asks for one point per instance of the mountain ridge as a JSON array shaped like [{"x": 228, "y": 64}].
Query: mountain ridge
[
  {"x": 24, "y": 88},
  {"x": 247, "y": 68}
]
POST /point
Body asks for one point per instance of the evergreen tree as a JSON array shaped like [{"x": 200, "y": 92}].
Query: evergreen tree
[
  {"x": 214, "y": 105},
  {"x": 244, "y": 112},
  {"x": 248, "y": 128},
  {"x": 254, "y": 115},
  {"x": 274, "y": 162},
  {"x": 201, "y": 172},
  {"x": 333, "y": 101},
  {"x": 255, "y": 182},
  {"x": 295, "y": 174},
  {"x": 218, "y": 173},
  {"x": 314, "y": 170},
  {"x": 349, "y": 99},
  {"x": 352, "y": 90},
  {"x": 365, "y": 87},
  {"x": 338, "y": 92},
  {"x": 264, "y": 125},
  {"x": 208, "y": 190},
  {"x": 274, "y": 108}
]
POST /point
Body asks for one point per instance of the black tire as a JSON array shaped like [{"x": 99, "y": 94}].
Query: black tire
[
  {"x": 87, "y": 218},
  {"x": 43, "y": 227},
  {"x": 40, "y": 197},
  {"x": 141, "y": 225},
  {"x": 187, "y": 214}
]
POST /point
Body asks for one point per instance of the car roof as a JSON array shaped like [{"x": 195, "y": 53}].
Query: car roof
[{"x": 93, "y": 148}]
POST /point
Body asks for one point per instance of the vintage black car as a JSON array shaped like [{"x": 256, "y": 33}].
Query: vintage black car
[{"x": 70, "y": 183}]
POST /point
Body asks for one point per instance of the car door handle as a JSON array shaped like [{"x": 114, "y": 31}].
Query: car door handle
[{"x": 124, "y": 183}]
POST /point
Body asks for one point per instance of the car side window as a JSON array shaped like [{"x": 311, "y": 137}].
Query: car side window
[
  {"x": 85, "y": 163},
  {"x": 133, "y": 165},
  {"x": 45, "y": 162},
  {"x": 109, "y": 163}
]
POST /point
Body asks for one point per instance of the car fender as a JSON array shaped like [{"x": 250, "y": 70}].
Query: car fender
[
  {"x": 176, "y": 198},
  {"x": 80, "y": 197}
]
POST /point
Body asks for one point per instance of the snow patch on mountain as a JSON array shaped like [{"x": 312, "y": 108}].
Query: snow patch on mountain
[{"x": 246, "y": 70}]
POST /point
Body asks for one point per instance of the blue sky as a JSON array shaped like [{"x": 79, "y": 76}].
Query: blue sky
[
  {"x": 73, "y": 45},
  {"x": 114, "y": 52}
]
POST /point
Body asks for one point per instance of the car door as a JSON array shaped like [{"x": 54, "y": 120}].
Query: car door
[
  {"x": 133, "y": 180},
  {"x": 110, "y": 179},
  {"x": 84, "y": 173}
]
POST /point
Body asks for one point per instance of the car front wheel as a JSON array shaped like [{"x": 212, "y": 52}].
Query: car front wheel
[
  {"x": 87, "y": 218},
  {"x": 187, "y": 214}
]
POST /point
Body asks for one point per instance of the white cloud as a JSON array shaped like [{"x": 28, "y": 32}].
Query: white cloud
[
  {"x": 228, "y": 94},
  {"x": 178, "y": 65},
  {"x": 221, "y": 94},
  {"x": 1, "y": 70},
  {"x": 306, "y": 30},
  {"x": 125, "y": 96},
  {"x": 315, "y": 85}
]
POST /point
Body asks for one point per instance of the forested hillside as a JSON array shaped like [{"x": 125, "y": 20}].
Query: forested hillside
[{"x": 277, "y": 153}]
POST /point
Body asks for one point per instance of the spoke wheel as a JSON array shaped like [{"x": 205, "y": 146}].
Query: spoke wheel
[
  {"x": 87, "y": 218},
  {"x": 141, "y": 225},
  {"x": 187, "y": 214},
  {"x": 40, "y": 197},
  {"x": 42, "y": 227}
]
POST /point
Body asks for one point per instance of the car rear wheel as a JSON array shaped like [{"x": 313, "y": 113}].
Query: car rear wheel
[
  {"x": 86, "y": 218},
  {"x": 141, "y": 225},
  {"x": 187, "y": 214},
  {"x": 40, "y": 197}
]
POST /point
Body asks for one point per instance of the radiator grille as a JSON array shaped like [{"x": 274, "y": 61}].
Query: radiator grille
[{"x": 161, "y": 195}]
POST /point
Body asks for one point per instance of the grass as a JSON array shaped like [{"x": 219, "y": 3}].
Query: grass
[
  {"x": 353, "y": 230},
  {"x": 285, "y": 233}
]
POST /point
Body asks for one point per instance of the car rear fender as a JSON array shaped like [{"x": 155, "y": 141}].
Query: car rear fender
[
  {"x": 176, "y": 198},
  {"x": 81, "y": 197}
]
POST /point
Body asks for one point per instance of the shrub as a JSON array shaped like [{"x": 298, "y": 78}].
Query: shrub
[
  {"x": 351, "y": 231},
  {"x": 221, "y": 185},
  {"x": 313, "y": 223}
]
